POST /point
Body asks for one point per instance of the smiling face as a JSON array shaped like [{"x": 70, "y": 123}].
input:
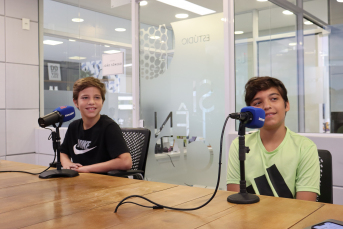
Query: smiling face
[
  {"x": 89, "y": 103},
  {"x": 273, "y": 104}
]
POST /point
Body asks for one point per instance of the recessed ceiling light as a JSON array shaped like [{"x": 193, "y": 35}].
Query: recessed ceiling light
[
  {"x": 143, "y": 3},
  {"x": 154, "y": 37},
  {"x": 124, "y": 97},
  {"x": 223, "y": 19},
  {"x": 262, "y": 0},
  {"x": 181, "y": 15},
  {"x": 125, "y": 107},
  {"x": 77, "y": 20},
  {"x": 51, "y": 42},
  {"x": 72, "y": 40},
  {"x": 292, "y": 44},
  {"x": 106, "y": 46},
  {"x": 309, "y": 22},
  {"x": 120, "y": 29},
  {"x": 111, "y": 51},
  {"x": 287, "y": 12},
  {"x": 77, "y": 58},
  {"x": 239, "y": 32},
  {"x": 189, "y": 6}
]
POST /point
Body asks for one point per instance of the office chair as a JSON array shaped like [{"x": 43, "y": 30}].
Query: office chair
[
  {"x": 137, "y": 140},
  {"x": 325, "y": 161}
]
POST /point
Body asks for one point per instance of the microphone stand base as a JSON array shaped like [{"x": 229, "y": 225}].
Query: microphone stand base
[
  {"x": 243, "y": 198},
  {"x": 58, "y": 173}
]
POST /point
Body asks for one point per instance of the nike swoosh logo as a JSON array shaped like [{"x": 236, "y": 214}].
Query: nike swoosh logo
[{"x": 78, "y": 151}]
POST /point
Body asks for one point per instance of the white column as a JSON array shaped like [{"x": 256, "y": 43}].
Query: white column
[{"x": 135, "y": 61}]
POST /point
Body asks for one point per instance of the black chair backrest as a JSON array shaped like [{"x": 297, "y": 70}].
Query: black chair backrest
[
  {"x": 325, "y": 161},
  {"x": 137, "y": 140}
]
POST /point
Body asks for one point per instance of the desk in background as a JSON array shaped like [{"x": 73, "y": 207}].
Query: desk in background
[{"x": 88, "y": 201}]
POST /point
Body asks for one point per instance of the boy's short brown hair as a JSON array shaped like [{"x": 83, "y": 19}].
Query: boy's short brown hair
[
  {"x": 263, "y": 83},
  {"x": 84, "y": 83}
]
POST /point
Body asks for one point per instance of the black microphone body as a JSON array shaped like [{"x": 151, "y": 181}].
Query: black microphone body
[
  {"x": 49, "y": 119},
  {"x": 242, "y": 116}
]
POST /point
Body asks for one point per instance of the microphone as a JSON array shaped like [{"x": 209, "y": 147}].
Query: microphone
[
  {"x": 64, "y": 114},
  {"x": 252, "y": 117}
]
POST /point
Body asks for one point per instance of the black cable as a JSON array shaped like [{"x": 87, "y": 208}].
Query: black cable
[
  {"x": 34, "y": 173},
  {"x": 160, "y": 206},
  {"x": 170, "y": 159},
  {"x": 129, "y": 202}
]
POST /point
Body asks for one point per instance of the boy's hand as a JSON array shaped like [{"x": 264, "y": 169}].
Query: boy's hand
[
  {"x": 83, "y": 169},
  {"x": 72, "y": 166}
]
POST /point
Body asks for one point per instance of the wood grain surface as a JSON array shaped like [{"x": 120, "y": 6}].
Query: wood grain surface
[{"x": 89, "y": 200}]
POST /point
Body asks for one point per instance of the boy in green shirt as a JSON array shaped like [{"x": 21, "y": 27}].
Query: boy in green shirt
[{"x": 280, "y": 163}]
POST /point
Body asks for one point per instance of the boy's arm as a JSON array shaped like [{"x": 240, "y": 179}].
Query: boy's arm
[
  {"x": 233, "y": 172},
  {"x": 233, "y": 187},
  {"x": 122, "y": 162},
  {"x": 66, "y": 162},
  {"x": 311, "y": 196},
  {"x": 308, "y": 175}
]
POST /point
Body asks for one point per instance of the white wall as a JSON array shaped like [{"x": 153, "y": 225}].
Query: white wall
[{"x": 19, "y": 80}]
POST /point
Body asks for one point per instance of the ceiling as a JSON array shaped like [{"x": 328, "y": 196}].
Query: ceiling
[{"x": 101, "y": 20}]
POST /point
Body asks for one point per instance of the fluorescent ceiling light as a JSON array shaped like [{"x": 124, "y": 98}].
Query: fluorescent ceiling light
[
  {"x": 111, "y": 51},
  {"x": 77, "y": 20},
  {"x": 51, "y": 42},
  {"x": 143, "y": 3},
  {"x": 107, "y": 46},
  {"x": 186, "y": 5},
  {"x": 72, "y": 40},
  {"x": 309, "y": 22},
  {"x": 287, "y": 12},
  {"x": 120, "y": 29},
  {"x": 127, "y": 65},
  {"x": 125, "y": 107},
  {"x": 239, "y": 32},
  {"x": 77, "y": 58},
  {"x": 262, "y": 0},
  {"x": 181, "y": 15},
  {"x": 292, "y": 44},
  {"x": 339, "y": 0},
  {"x": 154, "y": 37},
  {"x": 124, "y": 97}
]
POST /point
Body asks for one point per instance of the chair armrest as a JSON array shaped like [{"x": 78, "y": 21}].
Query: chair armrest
[{"x": 121, "y": 173}]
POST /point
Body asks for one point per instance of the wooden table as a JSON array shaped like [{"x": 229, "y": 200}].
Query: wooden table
[{"x": 88, "y": 201}]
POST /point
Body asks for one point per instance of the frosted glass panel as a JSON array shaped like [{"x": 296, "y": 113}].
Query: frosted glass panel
[{"x": 182, "y": 93}]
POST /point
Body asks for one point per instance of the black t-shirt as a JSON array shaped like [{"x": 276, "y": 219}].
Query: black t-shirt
[{"x": 102, "y": 142}]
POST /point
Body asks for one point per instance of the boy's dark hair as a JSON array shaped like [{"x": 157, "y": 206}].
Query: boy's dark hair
[
  {"x": 263, "y": 83},
  {"x": 84, "y": 83}
]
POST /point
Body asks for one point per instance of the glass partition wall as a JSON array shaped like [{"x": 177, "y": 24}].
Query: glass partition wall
[
  {"x": 273, "y": 39},
  {"x": 182, "y": 89},
  {"x": 182, "y": 70},
  {"x": 76, "y": 35}
]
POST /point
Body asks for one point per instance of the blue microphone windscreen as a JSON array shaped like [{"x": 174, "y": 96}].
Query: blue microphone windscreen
[
  {"x": 258, "y": 117},
  {"x": 67, "y": 111}
]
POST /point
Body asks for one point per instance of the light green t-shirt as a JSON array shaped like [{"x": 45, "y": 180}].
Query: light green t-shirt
[{"x": 292, "y": 167}]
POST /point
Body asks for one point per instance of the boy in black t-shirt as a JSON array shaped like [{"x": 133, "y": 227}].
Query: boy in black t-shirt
[{"x": 95, "y": 143}]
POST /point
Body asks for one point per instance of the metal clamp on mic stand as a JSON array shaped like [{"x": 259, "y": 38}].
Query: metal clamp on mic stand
[{"x": 59, "y": 172}]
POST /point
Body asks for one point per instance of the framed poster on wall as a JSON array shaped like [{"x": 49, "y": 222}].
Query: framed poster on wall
[{"x": 54, "y": 71}]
